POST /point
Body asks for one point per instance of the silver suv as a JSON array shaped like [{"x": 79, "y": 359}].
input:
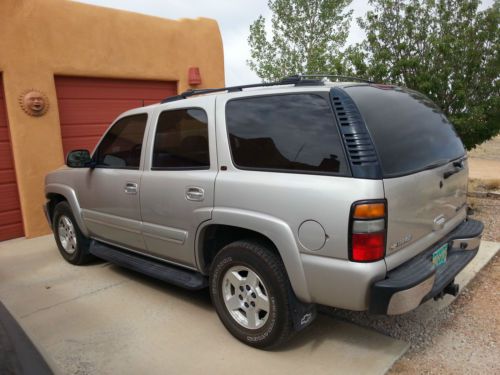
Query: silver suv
[{"x": 277, "y": 197}]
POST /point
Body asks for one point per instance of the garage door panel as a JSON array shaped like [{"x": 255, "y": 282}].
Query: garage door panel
[
  {"x": 11, "y": 221},
  {"x": 10, "y": 198},
  {"x": 81, "y": 88},
  {"x": 87, "y": 106},
  {"x": 7, "y": 176},
  {"x": 10, "y": 231},
  {"x": 83, "y": 143},
  {"x": 84, "y": 130},
  {"x": 6, "y": 161},
  {"x": 88, "y": 111},
  {"x": 4, "y": 134},
  {"x": 10, "y": 217},
  {"x": 151, "y": 101},
  {"x": 117, "y": 93},
  {"x": 3, "y": 114}
]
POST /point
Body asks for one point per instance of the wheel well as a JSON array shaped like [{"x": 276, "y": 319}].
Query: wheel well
[
  {"x": 215, "y": 237},
  {"x": 54, "y": 199}
]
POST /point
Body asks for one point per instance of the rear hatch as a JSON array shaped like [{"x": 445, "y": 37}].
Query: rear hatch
[{"x": 423, "y": 163}]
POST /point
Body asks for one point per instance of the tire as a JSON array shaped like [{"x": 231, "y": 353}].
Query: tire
[
  {"x": 243, "y": 275},
  {"x": 72, "y": 244}
]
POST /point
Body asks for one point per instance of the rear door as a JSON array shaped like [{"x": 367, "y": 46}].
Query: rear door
[
  {"x": 177, "y": 187},
  {"x": 423, "y": 164}
]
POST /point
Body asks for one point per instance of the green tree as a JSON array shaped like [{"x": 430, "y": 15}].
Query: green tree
[
  {"x": 306, "y": 37},
  {"x": 446, "y": 49}
]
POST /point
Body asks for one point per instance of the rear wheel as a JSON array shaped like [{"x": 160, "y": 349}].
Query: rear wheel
[
  {"x": 250, "y": 290},
  {"x": 72, "y": 244}
]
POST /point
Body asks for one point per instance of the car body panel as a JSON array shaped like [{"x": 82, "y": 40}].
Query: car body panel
[
  {"x": 162, "y": 223},
  {"x": 170, "y": 219}
]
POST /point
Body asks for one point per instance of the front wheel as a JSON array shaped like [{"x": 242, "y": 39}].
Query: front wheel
[
  {"x": 72, "y": 244},
  {"x": 250, "y": 291}
]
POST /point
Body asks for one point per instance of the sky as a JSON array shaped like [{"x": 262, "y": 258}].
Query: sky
[{"x": 234, "y": 18}]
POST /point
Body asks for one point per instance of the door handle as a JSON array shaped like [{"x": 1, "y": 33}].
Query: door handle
[
  {"x": 195, "y": 194},
  {"x": 131, "y": 188}
]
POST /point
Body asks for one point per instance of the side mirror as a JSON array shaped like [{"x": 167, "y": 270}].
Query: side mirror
[{"x": 78, "y": 159}]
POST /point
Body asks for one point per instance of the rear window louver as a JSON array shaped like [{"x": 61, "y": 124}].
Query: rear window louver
[{"x": 360, "y": 149}]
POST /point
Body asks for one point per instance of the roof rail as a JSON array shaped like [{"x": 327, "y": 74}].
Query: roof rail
[
  {"x": 338, "y": 77},
  {"x": 186, "y": 94},
  {"x": 298, "y": 80}
]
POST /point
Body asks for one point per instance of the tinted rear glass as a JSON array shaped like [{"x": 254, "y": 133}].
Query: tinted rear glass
[
  {"x": 409, "y": 131},
  {"x": 293, "y": 132},
  {"x": 181, "y": 140}
]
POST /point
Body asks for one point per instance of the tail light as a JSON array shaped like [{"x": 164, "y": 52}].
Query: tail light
[{"x": 367, "y": 231}]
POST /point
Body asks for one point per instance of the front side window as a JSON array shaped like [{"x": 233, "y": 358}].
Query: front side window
[
  {"x": 121, "y": 146},
  {"x": 181, "y": 140},
  {"x": 294, "y": 132}
]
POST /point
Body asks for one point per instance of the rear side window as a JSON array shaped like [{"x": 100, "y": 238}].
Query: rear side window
[
  {"x": 121, "y": 146},
  {"x": 286, "y": 133},
  {"x": 409, "y": 131},
  {"x": 181, "y": 140}
]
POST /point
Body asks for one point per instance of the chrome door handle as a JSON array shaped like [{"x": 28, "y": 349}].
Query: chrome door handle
[
  {"x": 131, "y": 188},
  {"x": 195, "y": 194}
]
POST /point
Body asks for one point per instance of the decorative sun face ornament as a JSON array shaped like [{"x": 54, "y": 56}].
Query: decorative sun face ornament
[{"x": 34, "y": 102}]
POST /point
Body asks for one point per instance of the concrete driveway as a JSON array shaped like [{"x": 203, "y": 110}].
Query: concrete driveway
[{"x": 101, "y": 319}]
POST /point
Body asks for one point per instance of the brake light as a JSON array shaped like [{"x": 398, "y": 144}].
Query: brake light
[
  {"x": 368, "y": 230},
  {"x": 368, "y": 247}
]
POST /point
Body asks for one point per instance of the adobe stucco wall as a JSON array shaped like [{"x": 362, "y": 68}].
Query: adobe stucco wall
[{"x": 43, "y": 38}]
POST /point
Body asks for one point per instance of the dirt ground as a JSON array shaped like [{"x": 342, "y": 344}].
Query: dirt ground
[
  {"x": 465, "y": 339},
  {"x": 488, "y": 150},
  {"x": 467, "y": 342},
  {"x": 484, "y": 161}
]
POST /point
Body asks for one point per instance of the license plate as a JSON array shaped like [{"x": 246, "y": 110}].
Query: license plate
[{"x": 439, "y": 256}]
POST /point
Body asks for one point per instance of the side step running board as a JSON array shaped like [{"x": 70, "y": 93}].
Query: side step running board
[{"x": 161, "y": 271}]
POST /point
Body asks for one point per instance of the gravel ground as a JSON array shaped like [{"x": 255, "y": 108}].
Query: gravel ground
[
  {"x": 463, "y": 338},
  {"x": 488, "y": 211}
]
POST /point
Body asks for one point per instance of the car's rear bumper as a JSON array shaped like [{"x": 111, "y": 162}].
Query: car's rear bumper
[{"x": 418, "y": 280}]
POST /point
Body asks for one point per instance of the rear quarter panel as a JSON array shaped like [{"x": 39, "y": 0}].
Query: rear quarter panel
[{"x": 291, "y": 197}]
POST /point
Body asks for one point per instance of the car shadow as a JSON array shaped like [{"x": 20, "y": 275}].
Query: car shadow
[
  {"x": 325, "y": 330},
  {"x": 199, "y": 298}
]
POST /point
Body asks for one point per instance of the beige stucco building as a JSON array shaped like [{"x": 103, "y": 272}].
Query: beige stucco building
[{"x": 88, "y": 64}]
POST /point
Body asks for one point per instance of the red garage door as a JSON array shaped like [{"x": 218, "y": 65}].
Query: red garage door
[
  {"x": 11, "y": 220},
  {"x": 88, "y": 105}
]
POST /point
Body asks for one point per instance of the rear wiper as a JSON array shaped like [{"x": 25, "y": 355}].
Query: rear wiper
[
  {"x": 436, "y": 164},
  {"x": 458, "y": 165}
]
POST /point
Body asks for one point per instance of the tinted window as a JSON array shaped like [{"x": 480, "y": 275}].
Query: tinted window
[
  {"x": 181, "y": 140},
  {"x": 285, "y": 132},
  {"x": 409, "y": 131},
  {"x": 122, "y": 144}
]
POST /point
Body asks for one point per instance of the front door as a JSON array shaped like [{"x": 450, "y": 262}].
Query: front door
[
  {"x": 109, "y": 193},
  {"x": 177, "y": 188}
]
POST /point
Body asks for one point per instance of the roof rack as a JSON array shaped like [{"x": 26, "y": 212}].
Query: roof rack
[
  {"x": 338, "y": 77},
  {"x": 297, "y": 80}
]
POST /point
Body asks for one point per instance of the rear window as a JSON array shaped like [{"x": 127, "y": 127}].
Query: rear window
[
  {"x": 289, "y": 133},
  {"x": 409, "y": 131}
]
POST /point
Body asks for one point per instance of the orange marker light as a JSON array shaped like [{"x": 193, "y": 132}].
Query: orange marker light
[{"x": 369, "y": 211}]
